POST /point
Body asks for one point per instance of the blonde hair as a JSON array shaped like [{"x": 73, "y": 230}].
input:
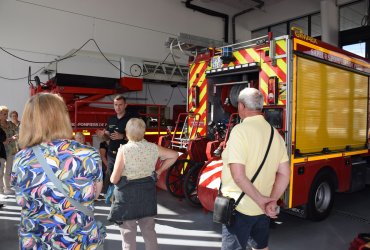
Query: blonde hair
[
  {"x": 135, "y": 129},
  {"x": 45, "y": 118},
  {"x": 4, "y": 108}
]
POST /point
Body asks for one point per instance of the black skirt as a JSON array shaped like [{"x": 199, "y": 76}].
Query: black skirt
[{"x": 134, "y": 199}]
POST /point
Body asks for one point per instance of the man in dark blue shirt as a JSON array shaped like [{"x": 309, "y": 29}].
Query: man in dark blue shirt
[{"x": 115, "y": 131}]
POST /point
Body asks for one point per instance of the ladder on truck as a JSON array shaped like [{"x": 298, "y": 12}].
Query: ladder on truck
[{"x": 190, "y": 123}]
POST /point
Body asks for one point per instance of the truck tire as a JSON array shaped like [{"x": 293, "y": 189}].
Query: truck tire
[
  {"x": 321, "y": 197},
  {"x": 191, "y": 185},
  {"x": 175, "y": 177}
]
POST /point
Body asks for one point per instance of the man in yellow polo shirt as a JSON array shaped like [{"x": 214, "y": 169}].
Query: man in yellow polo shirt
[{"x": 242, "y": 156}]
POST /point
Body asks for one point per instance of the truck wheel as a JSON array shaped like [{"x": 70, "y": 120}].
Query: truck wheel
[
  {"x": 175, "y": 177},
  {"x": 321, "y": 197},
  {"x": 191, "y": 185}
]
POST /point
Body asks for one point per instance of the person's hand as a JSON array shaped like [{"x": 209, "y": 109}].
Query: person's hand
[
  {"x": 116, "y": 136},
  {"x": 263, "y": 201},
  {"x": 15, "y": 137},
  {"x": 159, "y": 172},
  {"x": 272, "y": 209}
]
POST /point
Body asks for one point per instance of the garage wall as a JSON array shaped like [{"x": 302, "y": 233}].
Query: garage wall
[{"x": 42, "y": 30}]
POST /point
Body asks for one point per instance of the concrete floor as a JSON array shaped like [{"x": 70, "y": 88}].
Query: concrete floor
[{"x": 182, "y": 227}]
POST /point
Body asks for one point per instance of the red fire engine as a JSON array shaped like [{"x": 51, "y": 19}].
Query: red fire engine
[
  {"x": 316, "y": 96},
  {"x": 83, "y": 95}
]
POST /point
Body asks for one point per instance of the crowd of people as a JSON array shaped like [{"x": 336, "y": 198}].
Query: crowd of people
[
  {"x": 57, "y": 176},
  {"x": 9, "y": 130}
]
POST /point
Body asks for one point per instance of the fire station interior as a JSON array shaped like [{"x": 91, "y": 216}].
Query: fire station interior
[{"x": 181, "y": 65}]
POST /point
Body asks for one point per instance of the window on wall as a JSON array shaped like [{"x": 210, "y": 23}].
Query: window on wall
[
  {"x": 301, "y": 23},
  {"x": 354, "y": 33},
  {"x": 279, "y": 29},
  {"x": 316, "y": 25},
  {"x": 352, "y": 15},
  {"x": 357, "y": 48},
  {"x": 259, "y": 33}
]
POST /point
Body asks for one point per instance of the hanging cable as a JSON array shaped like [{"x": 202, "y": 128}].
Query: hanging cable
[
  {"x": 26, "y": 60},
  {"x": 75, "y": 52},
  {"x": 169, "y": 100},
  {"x": 151, "y": 95},
  {"x": 181, "y": 93},
  {"x": 21, "y": 78}
]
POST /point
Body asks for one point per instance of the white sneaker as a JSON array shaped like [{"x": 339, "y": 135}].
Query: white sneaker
[{"x": 9, "y": 191}]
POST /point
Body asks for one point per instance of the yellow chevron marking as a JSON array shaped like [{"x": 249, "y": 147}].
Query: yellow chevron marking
[
  {"x": 203, "y": 108},
  {"x": 192, "y": 79},
  {"x": 256, "y": 57},
  {"x": 202, "y": 93},
  {"x": 201, "y": 80},
  {"x": 267, "y": 69},
  {"x": 240, "y": 58},
  {"x": 263, "y": 86},
  {"x": 197, "y": 70},
  {"x": 282, "y": 65},
  {"x": 264, "y": 66},
  {"x": 282, "y": 44}
]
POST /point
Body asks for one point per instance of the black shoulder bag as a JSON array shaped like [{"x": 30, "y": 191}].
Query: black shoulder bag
[{"x": 224, "y": 208}]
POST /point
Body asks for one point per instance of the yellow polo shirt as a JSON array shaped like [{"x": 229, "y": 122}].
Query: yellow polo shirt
[{"x": 247, "y": 145}]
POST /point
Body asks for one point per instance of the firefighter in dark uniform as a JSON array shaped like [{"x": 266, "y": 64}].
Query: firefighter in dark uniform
[{"x": 115, "y": 131}]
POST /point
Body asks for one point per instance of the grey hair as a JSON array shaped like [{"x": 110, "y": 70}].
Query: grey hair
[{"x": 251, "y": 98}]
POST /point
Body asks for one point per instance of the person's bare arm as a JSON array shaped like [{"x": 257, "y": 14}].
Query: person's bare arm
[
  {"x": 116, "y": 136},
  {"x": 169, "y": 157},
  {"x": 103, "y": 156},
  {"x": 241, "y": 180},
  {"x": 281, "y": 180},
  {"x": 280, "y": 185},
  {"x": 103, "y": 134},
  {"x": 98, "y": 187},
  {"x": 118, "y": 167}
]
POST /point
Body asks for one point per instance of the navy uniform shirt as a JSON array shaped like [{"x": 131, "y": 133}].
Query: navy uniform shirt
[{"x": 117, "y": 125}]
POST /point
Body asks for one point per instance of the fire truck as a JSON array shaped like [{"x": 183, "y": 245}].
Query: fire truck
[{"x": 316, "y": 96}]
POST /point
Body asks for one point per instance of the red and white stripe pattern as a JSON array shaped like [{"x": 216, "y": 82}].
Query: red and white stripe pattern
[{"x": 210, "y": 177}]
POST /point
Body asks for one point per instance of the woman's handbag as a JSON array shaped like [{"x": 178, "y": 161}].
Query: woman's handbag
[
  {"x": 224, "y": 208},
  {"x": 58, "y": 184}
]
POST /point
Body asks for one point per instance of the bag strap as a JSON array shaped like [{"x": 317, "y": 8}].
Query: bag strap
[
  {"x": 58, "y": 183},
  {"x": 258, "y": 170}
]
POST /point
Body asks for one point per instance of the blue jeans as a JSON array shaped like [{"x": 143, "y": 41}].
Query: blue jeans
[{"x": 252, "y": 230}]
